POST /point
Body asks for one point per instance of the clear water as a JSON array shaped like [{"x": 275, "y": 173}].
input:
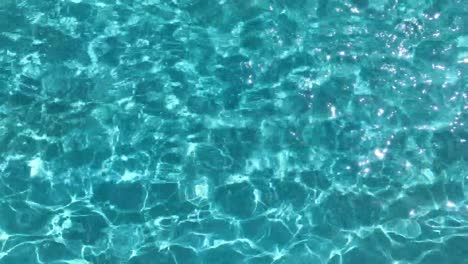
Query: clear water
[{"x": 200, "y": 131}]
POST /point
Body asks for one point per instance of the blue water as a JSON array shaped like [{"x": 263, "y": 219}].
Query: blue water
[{"x": 233, "y": 132}]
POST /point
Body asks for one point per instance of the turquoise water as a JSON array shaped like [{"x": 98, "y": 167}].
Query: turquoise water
[{"x": 226, "y": 132}]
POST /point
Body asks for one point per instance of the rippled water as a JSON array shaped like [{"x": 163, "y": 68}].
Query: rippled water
[{"x": 200, "y": 131}]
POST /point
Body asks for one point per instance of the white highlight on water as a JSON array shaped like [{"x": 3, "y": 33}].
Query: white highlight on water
[
  {"x": 380, "y": 154},
  {"x": 36, "y": 165}
]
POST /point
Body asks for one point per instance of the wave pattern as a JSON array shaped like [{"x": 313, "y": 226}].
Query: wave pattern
[{"x": 201, "y": 131}]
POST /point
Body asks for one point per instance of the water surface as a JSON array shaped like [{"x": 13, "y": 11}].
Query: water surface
[{"x": 217, "y": 131}]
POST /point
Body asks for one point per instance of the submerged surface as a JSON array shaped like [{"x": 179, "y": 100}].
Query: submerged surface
[{"x": 306, "y": 131}]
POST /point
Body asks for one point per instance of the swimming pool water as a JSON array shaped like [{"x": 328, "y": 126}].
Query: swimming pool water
[{"x": 229, "y": 132}]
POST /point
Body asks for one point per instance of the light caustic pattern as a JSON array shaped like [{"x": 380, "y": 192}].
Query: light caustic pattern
[{"x": 264, "y": 131}]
